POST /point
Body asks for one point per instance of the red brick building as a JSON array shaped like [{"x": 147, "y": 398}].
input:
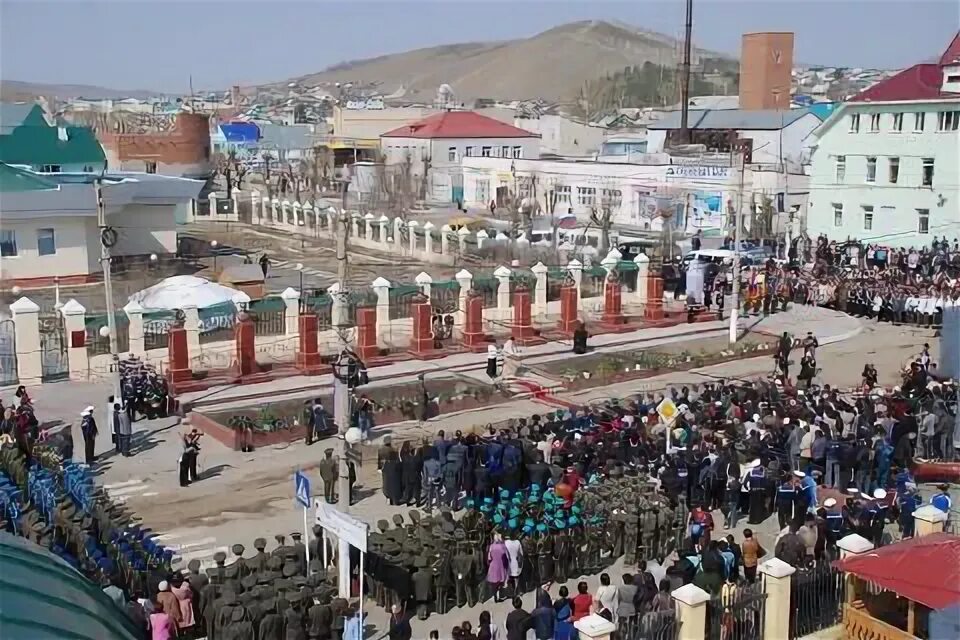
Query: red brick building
[
  {"x": 766, "y": 63},
  {"x": 181, "y": 150}
]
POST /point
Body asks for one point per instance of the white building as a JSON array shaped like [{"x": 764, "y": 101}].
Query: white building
[
  {"x": 50, "y": 221},
  {"x": 436, "y": 146},
  {"x": 886, "y": 166}
]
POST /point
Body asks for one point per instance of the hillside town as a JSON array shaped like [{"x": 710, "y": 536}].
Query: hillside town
[{"x": 671, "y": 352}]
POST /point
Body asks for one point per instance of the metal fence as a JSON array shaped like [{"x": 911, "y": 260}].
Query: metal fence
[
  {"x": 816, "y": 599},
  {"x": 487, "y": 289},
  {"x": 656, "y": 625},
  {"x": 216, "y": 322},
  {"x": 269, "y": 316},
  {"x": 628, "y": 274},
  {"x": 322, "y": 305},
  {"x": 100, "y": 345},
  {"x": 591, "y": 286},
  {"x": 737, "y": 615},
  {"x": 402, "y": 299}
]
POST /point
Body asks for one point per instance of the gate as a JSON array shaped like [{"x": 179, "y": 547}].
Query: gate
[
  {"x": 654, "y": 625},
  {"x": 816, "y": 600},
  {"x": 53, "y": 348},
  {"x": 8, "y": 353},
  {"x": 737, "y": 615},
  {"x": 444, "y": 302}
]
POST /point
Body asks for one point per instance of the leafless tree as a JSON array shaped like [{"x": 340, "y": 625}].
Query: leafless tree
[
  {"x": 232, "y": 170},
  {"x": 322, "y": 164}
]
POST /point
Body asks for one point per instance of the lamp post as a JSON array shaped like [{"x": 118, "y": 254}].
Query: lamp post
[
  {"x": 213, "y": 249},
  {"x": 299, "y": 268}
]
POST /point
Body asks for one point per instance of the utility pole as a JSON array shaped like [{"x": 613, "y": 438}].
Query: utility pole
[
  {"x": 685, "y": 80},
  {"x": 107, "y": 240},
  {"x": 738, "y": 222},
  {"x": 341, "y": 391}
]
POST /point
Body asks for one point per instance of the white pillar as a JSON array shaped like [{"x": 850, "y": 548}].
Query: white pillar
[
  {"x": 298, "y": 220},
  {"x": 853, "y": 545},
  {"x": 465, "y": 280},
  {"x": 643, "y": 270},
  {"x": 576, "y": 272},
  {"x": 78, "y": 361},
  {"x": 445, "y": 240},
  {"x": 26, "y": 318},
  {"x": 462, "y": 234},
  {"x": 285, "y": 211},
  {"x": 355, "y": 225},
  {"x": 482, "y": 236},
  {"x": 502, "y": 238},
  {"x": 776, "y": 584},
  {"x": 502, "y": 274},
  {"x": 424, "y": 281},
  {"x": 381, "y": 287},
  {"x": 928, "y": 519},
  {"x": 594, "y": 627},
  {"x": 291, "y": 312},
  {"x": 134, "y": 312},
  {"x": 384, "y": 221},
  {"x": 398, "y": 234},
  {"x": 191, "y": 324},
  {"x": 691, "y": 603},
  {"x": 256, "y": 211},
  {"x": 611, "y": 260},
  {"x": 540, "y": 293},
  {"x": 275, "y": 211},
  {"x": 368, "y": 227},
  {"x": 212, "y": 199},
  {"x": 428, "y": 237},
  {"x": 523, "y": 243},
  {"x": 412, "y": 228}
]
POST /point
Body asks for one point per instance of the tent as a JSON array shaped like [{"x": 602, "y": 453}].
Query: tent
[
  {"x": 924, "y": 569},
  {"x": 177, "y": 291}
]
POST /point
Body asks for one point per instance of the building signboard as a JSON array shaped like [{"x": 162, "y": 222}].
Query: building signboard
[{"x": 698, "y": 172}]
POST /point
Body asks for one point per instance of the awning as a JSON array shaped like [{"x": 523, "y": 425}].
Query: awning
[{"x": 924, "y": 569}]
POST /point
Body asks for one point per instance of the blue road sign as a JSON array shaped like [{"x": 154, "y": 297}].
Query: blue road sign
[{"x": 301, "y": 484}]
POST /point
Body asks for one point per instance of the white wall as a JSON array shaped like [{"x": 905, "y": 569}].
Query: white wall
[
  {"x": 145, "y": 229},
  {"x": 562, "y": 136},
  {"x": 71, "y": 237},
  {"x": 895, "y": 206}
]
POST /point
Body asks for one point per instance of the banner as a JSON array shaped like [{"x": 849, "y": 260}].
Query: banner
[{"x": 342, "y": 525}]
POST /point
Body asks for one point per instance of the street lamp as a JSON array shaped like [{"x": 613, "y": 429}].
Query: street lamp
[
  {"x": 213, "y": 249},
  {"x": 299, "y": 268}
]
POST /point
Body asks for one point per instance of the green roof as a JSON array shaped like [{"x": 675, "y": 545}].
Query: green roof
[
  {"x": 27, "y": 138},
  {"x": 42, "y": 597},
  {"x": 13, "y": 180}
]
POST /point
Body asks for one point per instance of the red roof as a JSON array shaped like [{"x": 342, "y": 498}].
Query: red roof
[
  {"x": 459, "y": 124},
  {"x": 919, "y": 82},
  {"x": 924, "y": 569}
]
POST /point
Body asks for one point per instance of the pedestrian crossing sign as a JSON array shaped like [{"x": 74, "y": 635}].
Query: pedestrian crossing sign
[
  {"x": 301, "y": 484},
  {"x": 667, "y": 410}
]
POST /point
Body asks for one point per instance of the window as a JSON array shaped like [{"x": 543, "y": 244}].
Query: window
[
  {"x": 483, "y": 191},
  {"x": 897, "y": 122},
  {"x": 423, "y": 154},
  {"x": 611, "y": 198},
  {"x": 837, "y": 214},
  {"x": 894, "y": 170},
  {"x": 151, "y": 167},
  {"x": 871, "y": 169},
  {"x": 485, "y": 152},
  {"x": 50, "y": 168},
  {"x": 518, "y": 152},
  {"x": 468, "y": 152},
  {"x": 867, "y": 217},
  {"x": 525, "y": 186},
  {"x": 926, "y": 179},
  {"x": 854, "y": 123},
  {"x": 451, "y": 154},
  {"x": 841, "y": 168},
  {"x": 8, "y": 243},
  {"x": 953, "y": 79},
  {"x": 586, "y": 196},
  {"x": 46, "y": 244},
  {"x": 505, "y": 151},
  {"x": 918, "y": 121},
  {"x": 923, "y": 221},
  {"x": 948, "y": 120},
  {"x": 563, "y": 194},
  {"x": 874, "y": 122}
]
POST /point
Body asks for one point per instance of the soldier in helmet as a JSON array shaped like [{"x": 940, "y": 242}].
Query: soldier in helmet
[
  {"x": 422, "y": 586},
  {"x": 300, "y": 550},
  {"x": 258, "y": 563},
  {"x": 464, "y": 570}
]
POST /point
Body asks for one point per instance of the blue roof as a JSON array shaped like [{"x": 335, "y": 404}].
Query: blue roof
[
  {"x": 241, "y": 132},
  {"x": 823, "y": 109},
  {"x": 44, "y": 598}
]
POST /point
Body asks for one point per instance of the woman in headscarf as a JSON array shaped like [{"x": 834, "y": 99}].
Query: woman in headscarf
[
  {"x": 181, "y": 589},
  {"x": 542, "y": 618},
  {"x": 563, "y": 628},
  {"x": 497, "y": 565}
]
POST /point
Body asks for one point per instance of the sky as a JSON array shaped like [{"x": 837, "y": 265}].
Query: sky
[{"x": 159, "y": 44}]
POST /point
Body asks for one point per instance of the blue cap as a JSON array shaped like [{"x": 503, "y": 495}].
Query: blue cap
[
  {"x": 541, "y": 527},
  {"x": 512, "y": 523}
]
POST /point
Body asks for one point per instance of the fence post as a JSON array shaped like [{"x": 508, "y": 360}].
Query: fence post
[
  {"x": 611, "y": 260},
  {"x": 398, "y": 234},
  {"x": 255, "y": 209},
  {"x": 74, "y": 319},
  {"x": 381, "y": 287},
  {"x": 424, "y": 281},
  {"x": 643, "y": 270},
  {"x": 777, "y": 576},
  {"x": 462, "y": 234},
  {"x": 368, "y": 227},
  {"x": 575, "y": 267},
  {"x": 134, "y": 311},
  {"x": 465, "y": 280},
  {"x": 26, "y": 319},
  {"x": 428, "y": 228},
  {"x": 291, "y": 313},
  {"x": 212, "y": 199},
  {"x": 482, "y": 236},
  {"x": 384, "y": 221},
  {"x": 594, "y": 627},
  {"x": 540, "y": 293},
  {"x": 191, "y": 325},
  {"x": 445, "y": 231},
  {"x": 691, "y": 611},
  {"x": 928, "y": 519},
  {"x": 852, "y": 545},
  {"x": 412, "y": 230},
  {"x": 502, "y": 274}
]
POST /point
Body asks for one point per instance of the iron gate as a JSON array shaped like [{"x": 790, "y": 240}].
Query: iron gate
[
  {"x": 816, "y": 599},
  {"x": 8, "y": 353},
  {"x": 737, "y": 615},
  {"x": 53, "y": 348},
  {"x": 444, "y": 302}
]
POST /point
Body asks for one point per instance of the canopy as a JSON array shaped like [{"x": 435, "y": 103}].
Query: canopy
[
  {"x": 924, "y": 569},
  {"x": 177, "y": 291}
]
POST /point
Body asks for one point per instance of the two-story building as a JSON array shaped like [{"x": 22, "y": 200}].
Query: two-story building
[
  {"x": 885, "y": 169},
  {"x": 436, "y": 146},
  {"x": 28, "y": 139}
]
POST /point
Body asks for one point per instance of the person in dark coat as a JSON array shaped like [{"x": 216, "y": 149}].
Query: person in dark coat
[
  {"x": 399, "y": 624},
  {"x": 319, "y": 621},
  {"x": 411, "y": 464},
  {"x": 88, "y": 427},
  {"x": 238, "y": 628},
  {"x": 580, "y": 336},
  {"x": 271, "y": 627},
  {"x": 518, "y": 621},
  {"x": 392, "y": 479},
  {"x": 543, "y": 617}
]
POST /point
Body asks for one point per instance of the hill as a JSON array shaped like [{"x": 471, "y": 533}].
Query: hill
[
  {"x": 553, "y": 65},
  {"x": 15, "y": 91}
]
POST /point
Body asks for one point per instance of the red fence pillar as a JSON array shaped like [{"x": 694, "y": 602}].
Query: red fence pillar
[
  {"x": 245, "y": 335},
  {"x": 421, "y": 343},
  {"x": 612, "y": 302},
  {"x": 473, "y": 336},
  {"x": 367, "y": 333},
  {"x": 308, "y": 356},
  {"x": 654, "y": 307},
  {"x": 178, "y": 355},
  {"x": 568, "y": 308}
]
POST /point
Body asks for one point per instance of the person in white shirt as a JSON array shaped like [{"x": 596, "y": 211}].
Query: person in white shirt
[
  {"x": 607, "y": 600},
  {"x": 515, "y": 560},
  {"x": 511, "y": 359}
]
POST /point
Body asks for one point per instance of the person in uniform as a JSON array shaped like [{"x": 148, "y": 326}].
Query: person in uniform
[{"x": 327, "y": 468}]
